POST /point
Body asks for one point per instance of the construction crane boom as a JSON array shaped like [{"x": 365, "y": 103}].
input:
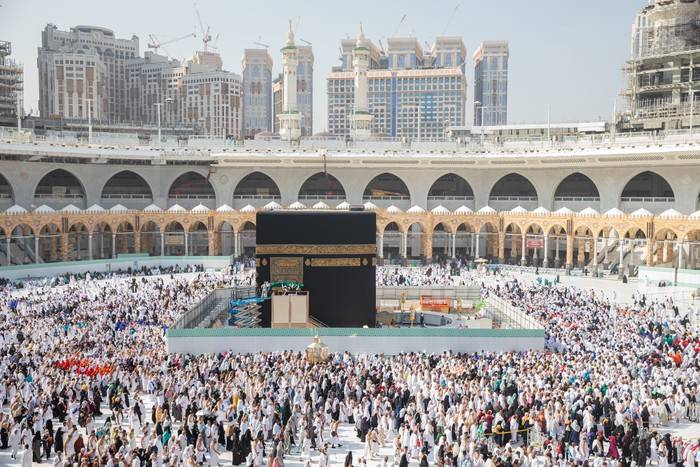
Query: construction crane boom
[
  {"x": 155, "y": 44},
  {"x": 449, "y": 21},
  {"x": 403, "y": 18},
  {"x": 206, "y": 37}
]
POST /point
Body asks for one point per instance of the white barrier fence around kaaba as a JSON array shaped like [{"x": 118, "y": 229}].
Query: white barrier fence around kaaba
[{"x": 387, "y": 341}]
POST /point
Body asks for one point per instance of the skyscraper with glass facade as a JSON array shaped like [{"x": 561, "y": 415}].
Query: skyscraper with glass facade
[
  {"x": 257, "y": 92},
  {"x": 491, "y": 84},
  {"x": 412, "y": 92}
]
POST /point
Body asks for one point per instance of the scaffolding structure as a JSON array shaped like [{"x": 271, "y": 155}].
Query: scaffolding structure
[
  {"x": 11, "y": 82},
  {"x": 663, "y": 73}
]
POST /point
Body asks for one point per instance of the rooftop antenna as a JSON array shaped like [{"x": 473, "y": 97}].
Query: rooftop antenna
[{"x": 449, "y": 21}]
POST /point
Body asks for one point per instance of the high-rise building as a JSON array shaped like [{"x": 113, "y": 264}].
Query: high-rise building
[
  {"x": 411, "y": 92},
  {"x": 491, "y": 84},
  {"x": 83, "y": 65},
  {"x": 11, "y": 82},
  {"x": 206, "y": 96},
  {"x": 257, "y": 91},
  {"x": 663, "y": 72},
  {"x": 148, "y": 86},
  {"x": 277, "y": 101},
  {"x": 305, "y": 88}
]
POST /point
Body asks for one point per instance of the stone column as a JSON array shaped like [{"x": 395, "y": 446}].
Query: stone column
[
  {"x": 523, "y": 258},
  {"x": 90, "y": 246},
  {"x": 187, "y": 244},
  {"x": 53, "y": 247},
  {"x": 380, "y": 253},
  {"x": 475, "y": 241},
  {"x": 680, "y": 255},
  {"x": 162, "y": 243},
  {"x": 454, "y": 246},
  {"x": 137, "y": 241},
  {"x": 236, "y": 246},
  {"x": 9, "y": 252},
  {"x": 114, "y": 245},
  {"x": 65, "y": 247},
  {"x": 404, "y": 244},
  {"x": 556, "y": 252},
  {"x": 665, "y": 252},
  {"x": 36, "y": 249},
  {"x": 649, "y": 252},
  {"x": 427, "y": 246},
  {"x": 502, "y": 247},
  {"x": 569, "y": 251},
  {"x": 212, "y": 238},
  {"x": 545, "y": 259}
]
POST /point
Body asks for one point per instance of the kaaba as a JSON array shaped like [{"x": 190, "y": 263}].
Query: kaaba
[{"x": 333, "y": 254}]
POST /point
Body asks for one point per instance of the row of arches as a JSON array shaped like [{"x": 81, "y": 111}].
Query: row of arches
[
  {"x": 127, "y": 184},
  {"x": 533, "y": 245},
  {"x": 25, "y": 245}
]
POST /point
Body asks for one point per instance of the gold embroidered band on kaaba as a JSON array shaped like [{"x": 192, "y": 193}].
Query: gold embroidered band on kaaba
[
  {"x": 321, "y": 250},
  {"x": 335, "y": 262}
]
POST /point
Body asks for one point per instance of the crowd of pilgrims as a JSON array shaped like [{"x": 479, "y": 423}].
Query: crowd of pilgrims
[{"x": 86, "y": 380}]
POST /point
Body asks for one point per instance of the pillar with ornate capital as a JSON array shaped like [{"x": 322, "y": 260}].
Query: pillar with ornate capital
[
  {"x": 214, "y": 243},
  {"x": 569, "y": 251},
  {"x": 649, "y": 252},
  {"x": 523, "y": 259},
  {"x": 454, "y": 246}
]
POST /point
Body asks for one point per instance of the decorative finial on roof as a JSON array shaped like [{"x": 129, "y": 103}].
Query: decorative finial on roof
[{"x": 290, "y": 34}]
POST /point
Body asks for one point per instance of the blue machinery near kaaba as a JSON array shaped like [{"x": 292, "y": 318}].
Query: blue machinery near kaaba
[{"x": 245, "y": 312}]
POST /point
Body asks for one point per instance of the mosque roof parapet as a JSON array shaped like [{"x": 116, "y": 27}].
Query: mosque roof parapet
[{"x": 124, "y": 146}]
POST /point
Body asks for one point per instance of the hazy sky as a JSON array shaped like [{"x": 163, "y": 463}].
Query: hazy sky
[{"x": 566, "y": 54}]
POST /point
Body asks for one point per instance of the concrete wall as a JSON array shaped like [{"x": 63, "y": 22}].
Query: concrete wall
[
  {"x": 356, "y": 341},
  {"x": 25, "y": 176}
]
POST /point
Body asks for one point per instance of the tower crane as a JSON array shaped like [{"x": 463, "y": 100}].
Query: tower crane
[
  {"x": 206, "y": 36},
  {"x": 155, "y": 44},
  {"x": 305, "y": 42}
]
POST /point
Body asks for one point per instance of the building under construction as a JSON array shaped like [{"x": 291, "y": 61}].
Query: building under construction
[
  {"x": 663, "y": 73},
  {"x": 11, "y": 83}
]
